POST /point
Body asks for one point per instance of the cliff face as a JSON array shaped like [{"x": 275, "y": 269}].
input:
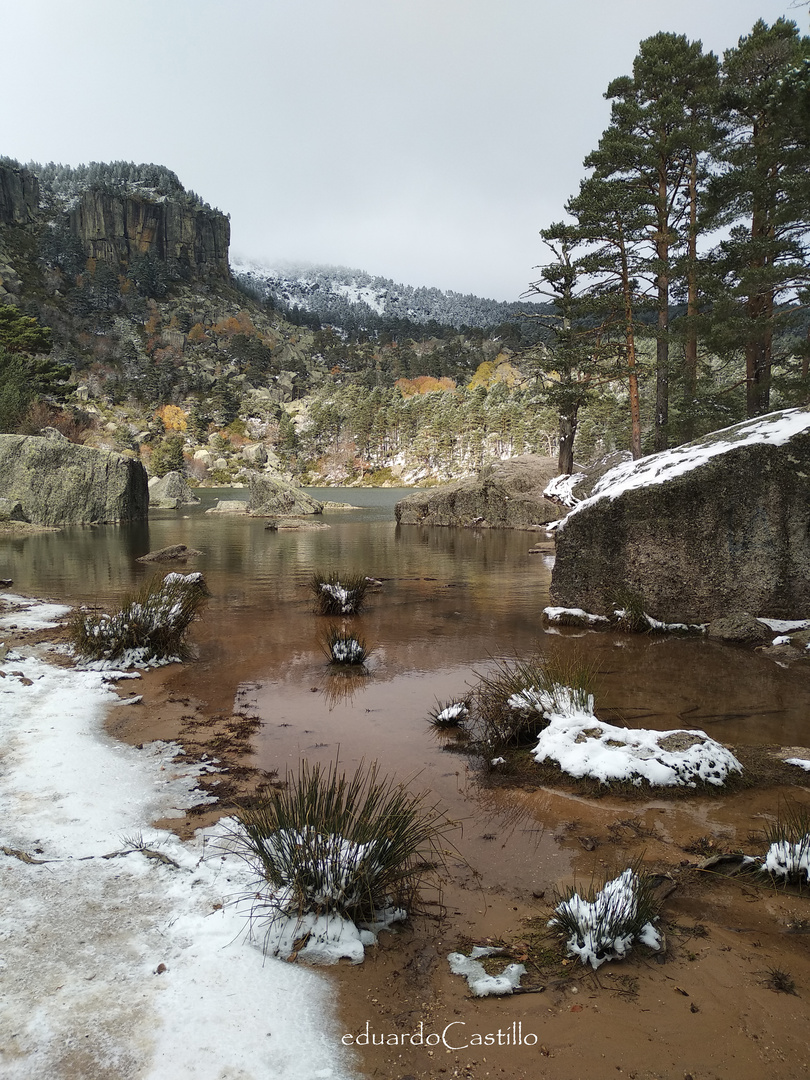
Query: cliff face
[
  {"x": 191, "y": 241},
  {"x": 19, "y": 196}
]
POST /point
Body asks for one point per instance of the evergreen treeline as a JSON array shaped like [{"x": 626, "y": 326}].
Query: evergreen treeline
[
  {"x": 351, "y": 429},
  {"x": 67, "y": 181},
  {"x": 691, "y": 227}
]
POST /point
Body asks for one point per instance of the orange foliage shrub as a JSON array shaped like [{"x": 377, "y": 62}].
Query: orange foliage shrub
[
  {"x": 424, "y": 384},
  {"x": 197, "y": 333},
  {"x": 172, "y": 417}
]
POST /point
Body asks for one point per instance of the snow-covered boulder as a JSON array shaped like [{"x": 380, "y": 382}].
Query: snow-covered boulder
[
  {"x": 584, "y": 746},
  {"x": 715, "y": 526}
]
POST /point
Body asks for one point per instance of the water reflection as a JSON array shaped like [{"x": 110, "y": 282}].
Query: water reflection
[{"x": 451, "y": 601}]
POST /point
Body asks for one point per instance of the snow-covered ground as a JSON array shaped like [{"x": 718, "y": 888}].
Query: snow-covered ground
[{"x": 120, "y": 953}]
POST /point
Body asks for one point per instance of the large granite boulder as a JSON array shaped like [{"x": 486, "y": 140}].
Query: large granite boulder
[
  {"x": 716, "y": 526},
  {"x": 56, "y": 482},
  {"x": 505, "y": 495},
  {"x": 273, "y": 496},
  {"x": 170, "y": 491}
]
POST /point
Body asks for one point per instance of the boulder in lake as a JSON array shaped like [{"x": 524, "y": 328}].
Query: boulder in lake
[
  {"x": 170, "y": 491},
  {"x": 716, "y": 526},
  {"x": 228, "y": 506},
  {"x": 56, "y": 482},
  {"x": 273, "y": 496},
  {"x": 174, "y": 553},
  {"x": 504, "y": 495}
]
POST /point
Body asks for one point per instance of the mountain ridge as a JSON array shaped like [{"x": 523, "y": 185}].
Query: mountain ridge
[{"x": 356, "y": 300}]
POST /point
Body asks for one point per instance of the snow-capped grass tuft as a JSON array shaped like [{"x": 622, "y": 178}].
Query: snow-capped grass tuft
[
  {"x": 629, "y": 613},
  {"x": 337, "y": 846},
  {"x": 788, "y": 855},
  {"x": 338, "y": 594},
  {"x": 342, "y": 647},
  {"x": 604, "y": 924},
  {"x": 512, "y": 701},
  {"x": 449, "y": 714},
  {"x": 150, "y": 627}
]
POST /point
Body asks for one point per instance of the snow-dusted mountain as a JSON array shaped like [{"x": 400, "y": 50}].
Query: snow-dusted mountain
[{"x": 356, "y": 300}]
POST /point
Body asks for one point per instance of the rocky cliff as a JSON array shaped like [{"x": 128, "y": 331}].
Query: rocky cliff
[
  {"x": 19, "y": 195},
  {"x": 50, "y": 481},
  {"x": 718, "y": 525},
  {"x": 192, "y": 241}
]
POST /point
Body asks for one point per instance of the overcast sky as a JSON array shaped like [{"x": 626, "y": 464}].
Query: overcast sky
[{"x": 424, "y": 140}]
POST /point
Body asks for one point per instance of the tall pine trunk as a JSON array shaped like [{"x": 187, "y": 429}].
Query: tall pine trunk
[
  {"x": 662, "y": 334},
  {"x": 690, "y": 344}
]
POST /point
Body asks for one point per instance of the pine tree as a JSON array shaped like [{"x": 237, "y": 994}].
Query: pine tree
[
  {"x": 569, "y": 361},
  {"x": 762, "y": 194},
  {"x": 651, "y": 146},
  {"x": 613, "y": 222}
]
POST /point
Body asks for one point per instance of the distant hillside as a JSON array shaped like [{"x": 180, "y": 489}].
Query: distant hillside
[{"x": 357, "y": 301}]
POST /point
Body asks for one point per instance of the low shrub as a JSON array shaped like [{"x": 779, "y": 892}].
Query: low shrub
[
  {"x": 336, "y": 594},
  {"x": 150, "y": 626}
]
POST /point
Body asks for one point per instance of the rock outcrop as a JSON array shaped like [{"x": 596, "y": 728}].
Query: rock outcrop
[
  {"x": 19, "y": 196},
  {"x": 173, "y": 553},
  {"x": 55, "y": 482},
  {"x": 192, "y": 241},
  {"x": 716, "y": 526},
  {"x": 506, "y": 495},
  {"x": 169, "y": 492},
  {"x": 272, "y": 496}
]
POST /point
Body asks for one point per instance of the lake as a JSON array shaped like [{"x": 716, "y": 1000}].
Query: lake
[{"x": 451, "y": 602}]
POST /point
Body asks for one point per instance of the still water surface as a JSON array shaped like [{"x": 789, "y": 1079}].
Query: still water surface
[{"x": 451, "y": 601}]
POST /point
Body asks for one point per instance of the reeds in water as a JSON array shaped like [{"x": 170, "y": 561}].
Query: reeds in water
[
  {"x": 338, "y": 594},
  {"x": 337, "y": 844},
  {"x": 151, "y": 624}
]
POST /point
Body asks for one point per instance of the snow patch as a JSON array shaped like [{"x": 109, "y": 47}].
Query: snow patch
[
  {"x": 123, "y": 952},
  {"x": 586, "y": 747},
  {"x": 481, "y": 984}
]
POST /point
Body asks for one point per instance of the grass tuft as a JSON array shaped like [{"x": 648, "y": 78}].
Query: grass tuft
[
  {"x": 331, "y": 844},
  {"x": 449, "y": 714},
  {"x": 338, "y": 594},
  {"x": 780, "y": 981},
  {"x": 151, "y": 625},
  {"x": 788, "y": 855},
  {"x": 629, "y": 611},
  {"x": 512, "y": 701},
  {"x": 342, "y": 647},
  {"x": 603, "y": 923}
]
